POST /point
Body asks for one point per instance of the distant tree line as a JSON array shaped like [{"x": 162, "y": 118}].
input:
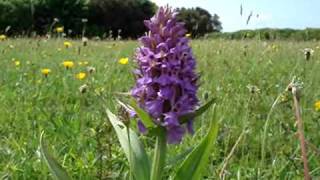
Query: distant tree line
[
  {"x": 271, "y": 34},
  {"x": 96, "y": 17},
  {"x": 199, "y": 21},
  {"x": 104, "y": 18}
]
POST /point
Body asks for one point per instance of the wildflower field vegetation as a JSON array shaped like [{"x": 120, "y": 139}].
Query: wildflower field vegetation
[{"x": 63, "y": 88}]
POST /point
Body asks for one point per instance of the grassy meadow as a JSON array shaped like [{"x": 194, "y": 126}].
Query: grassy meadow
[{"x": 247, "y": 78}]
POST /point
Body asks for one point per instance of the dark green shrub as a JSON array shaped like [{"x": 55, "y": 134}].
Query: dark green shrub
[
  {"x": 124, "y": 15},
  {"x": 17, "y": 14},
  {"x": 69, "y": 12},
  {"x": 198, "y": 21}
]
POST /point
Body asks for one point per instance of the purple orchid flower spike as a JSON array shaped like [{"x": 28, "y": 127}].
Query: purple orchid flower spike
[{"x": 166, "y": 85}]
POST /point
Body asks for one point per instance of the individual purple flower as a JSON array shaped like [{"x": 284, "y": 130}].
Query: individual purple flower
[{"x": 166, "y": 81}]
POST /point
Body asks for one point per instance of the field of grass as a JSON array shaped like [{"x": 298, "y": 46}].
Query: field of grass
[{"x": 245, "y": 77}]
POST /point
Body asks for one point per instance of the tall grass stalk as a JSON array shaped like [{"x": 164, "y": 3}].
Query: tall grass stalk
[{"x": 296, "y": 100}]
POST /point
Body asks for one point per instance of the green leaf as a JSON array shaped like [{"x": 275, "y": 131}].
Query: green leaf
[
  {"x": 55, "y": 168},
  {"x": 159, "y": 156},
  {"x": 173, "y": 161},
  {"x": 192, "y": 167},
  {"x": 185, "y": 118},
  {"x": 133, "y": 149},
  {"x": 144, "y": 116}
]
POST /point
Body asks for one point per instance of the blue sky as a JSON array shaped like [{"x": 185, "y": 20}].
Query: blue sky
[{"x": 297, "y": 14}]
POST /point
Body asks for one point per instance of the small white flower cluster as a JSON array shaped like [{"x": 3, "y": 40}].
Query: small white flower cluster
[{"x": 308, "y": 52}]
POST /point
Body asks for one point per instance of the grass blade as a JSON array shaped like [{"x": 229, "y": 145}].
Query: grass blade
[
  {"x": 55, "y": 168},
  {"x": 173, "y": 161}
]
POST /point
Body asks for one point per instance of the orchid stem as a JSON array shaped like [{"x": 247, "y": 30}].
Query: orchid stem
[{"x": 159, "y": 158}]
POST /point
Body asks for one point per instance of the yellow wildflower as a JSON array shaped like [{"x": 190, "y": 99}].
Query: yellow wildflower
[
  {"x": 17, "y": 63},
  {"x": 59, "y": 29},
  {"x": 45, "y": 71},
  {"x": 67, "y": 44},
  {"x": 80, "y": 63},
  {"x": 123, "y": 61},
  {"x": 3, "y": 37},
  {"x": 317, "y": 105},
  {"x": 68, "y": 64},
  {"x": 85, "y": 62},
  {"x": 188, "y": 35},
  {"x": 81, "y": 75},
  {"x": 275, "y": 47}
]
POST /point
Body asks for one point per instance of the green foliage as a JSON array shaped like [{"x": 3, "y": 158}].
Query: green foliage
[
  {"x": 69, "y": 12},
  {"x": 199, "y": 21},
  {"x": 121, "y": 18},
  {"x": 196, "y": 162},
  {"x": 86, "y": 145},
  {"x": 57, "y": 171},
  {"x": 25, "y": 16},
  {"x": 272, "y": 34},
  {"x": 198, "y": 112},
  {"x": 17, "y": 14},
  {"x": 144, "y": 116},
  {"x": 159, "y": 155},
  {"x": 132, "y": 147}
]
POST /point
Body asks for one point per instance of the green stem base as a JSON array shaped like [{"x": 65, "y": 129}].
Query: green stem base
[{"x": 159, "y": 158}]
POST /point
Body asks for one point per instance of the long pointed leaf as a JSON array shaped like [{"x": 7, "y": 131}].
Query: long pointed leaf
[
  {"x": 198, "y": 112},
  {"x": 144, "y": 116},
  {"x": 192, "y": 167},
  {"x": 55, "y": 168},
  {"x": 133, "y": 149},
  {"x": 173, "y": 161}
]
